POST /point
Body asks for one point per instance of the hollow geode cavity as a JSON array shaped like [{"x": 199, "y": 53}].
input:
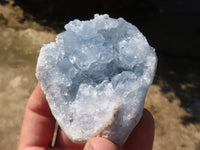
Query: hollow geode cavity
[{"x": 95, "y": 77}]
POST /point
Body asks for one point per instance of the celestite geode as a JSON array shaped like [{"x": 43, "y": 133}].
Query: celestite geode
[{"x": 95, "y": 77}]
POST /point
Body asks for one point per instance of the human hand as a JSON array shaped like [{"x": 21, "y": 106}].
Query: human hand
[{"x": 38, "y": 128}]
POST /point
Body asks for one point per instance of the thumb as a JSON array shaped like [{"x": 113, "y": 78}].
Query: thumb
[{"x": 98, "y": 143}]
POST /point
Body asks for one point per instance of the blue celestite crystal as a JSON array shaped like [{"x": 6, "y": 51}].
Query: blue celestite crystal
[{"x": 95, "y": 77}]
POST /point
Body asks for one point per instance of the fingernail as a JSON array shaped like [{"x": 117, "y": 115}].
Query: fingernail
[{"x": 98, "y": 143}]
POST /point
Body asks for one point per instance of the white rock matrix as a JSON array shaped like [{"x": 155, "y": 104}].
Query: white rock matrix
[{"x": 95, "y": 77}]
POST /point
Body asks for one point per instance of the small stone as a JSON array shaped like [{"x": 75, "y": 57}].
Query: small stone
[{"x": 95, "y": 77}]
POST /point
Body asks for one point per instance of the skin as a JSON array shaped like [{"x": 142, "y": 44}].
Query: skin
[{"x": 38, "y": 127}]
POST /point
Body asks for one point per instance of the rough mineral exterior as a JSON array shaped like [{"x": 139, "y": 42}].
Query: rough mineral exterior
[{"x": 95, "y": 77}]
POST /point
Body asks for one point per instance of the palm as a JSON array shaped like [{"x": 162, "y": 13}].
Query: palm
[{"x": 38, "y": 127}]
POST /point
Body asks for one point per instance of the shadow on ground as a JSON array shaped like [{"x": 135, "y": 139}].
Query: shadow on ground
[
  {"x": 3, "y": 2},
  {"x": 182, "y": 76}
]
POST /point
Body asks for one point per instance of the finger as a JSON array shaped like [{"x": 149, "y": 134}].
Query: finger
[
  {"x": 98, "y": 143},
  {"x": 143, "y": 134},
  {"x": 38, "y": 124},
  {"x": 62, "y": 141}
]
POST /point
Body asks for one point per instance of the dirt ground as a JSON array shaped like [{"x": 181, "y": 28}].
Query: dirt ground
[{"x": 173, "y": 98}]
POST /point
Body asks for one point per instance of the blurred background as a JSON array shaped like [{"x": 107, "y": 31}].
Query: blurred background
[{"x": 171, "y": 26}]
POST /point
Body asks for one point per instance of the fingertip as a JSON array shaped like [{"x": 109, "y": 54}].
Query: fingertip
[
  {"x": 143, "y": 134},
  {"x": 98, "y": 143},
  {"x": 148, "y": 118}
]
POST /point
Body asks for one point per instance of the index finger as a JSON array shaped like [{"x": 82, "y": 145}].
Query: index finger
[{"x": 38, "y": 125}]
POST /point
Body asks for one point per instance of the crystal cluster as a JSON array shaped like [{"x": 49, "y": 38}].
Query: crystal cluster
[{"x": 95, "y": 77}]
